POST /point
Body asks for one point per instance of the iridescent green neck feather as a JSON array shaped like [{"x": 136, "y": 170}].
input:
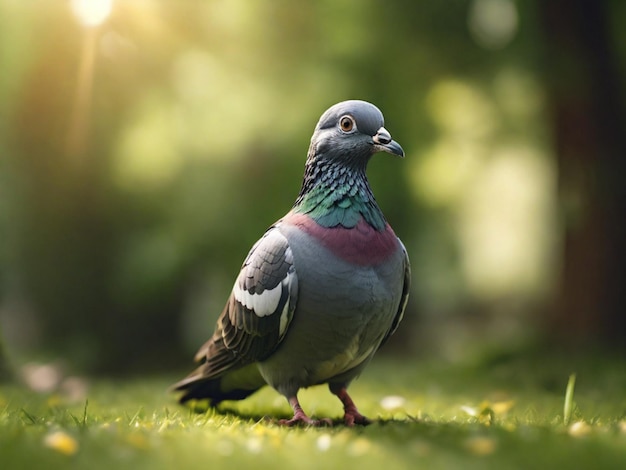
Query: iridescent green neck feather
[{"x": 337, "y": 195}]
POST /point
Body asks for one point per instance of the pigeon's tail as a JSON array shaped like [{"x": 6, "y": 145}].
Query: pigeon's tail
[
  {"x": 235, "y": 385},
  {"x": 208, "y": 390}
]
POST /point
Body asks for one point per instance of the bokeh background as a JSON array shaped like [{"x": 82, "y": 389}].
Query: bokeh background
[{"x": 145, "y": 145}]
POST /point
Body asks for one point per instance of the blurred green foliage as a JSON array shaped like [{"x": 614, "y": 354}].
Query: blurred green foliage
[{"x": 143, "y": 156}]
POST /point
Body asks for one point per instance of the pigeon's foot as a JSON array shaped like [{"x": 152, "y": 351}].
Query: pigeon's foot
[
  {"x": 351, "y": 413},
  {"x": 301, "y": 419},
  {"x": 305, "y": 421},
  {"x": 352, "y": 417}
]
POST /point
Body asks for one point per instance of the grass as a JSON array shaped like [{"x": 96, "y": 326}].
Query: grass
[{"x": 507, "y": 413}]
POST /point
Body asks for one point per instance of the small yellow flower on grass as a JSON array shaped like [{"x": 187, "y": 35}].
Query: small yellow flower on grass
[
  {"x": 54, "y": 400},
  {"x": 138, "y": 441},
  {"x": 480, "y": 445},
  {"x": 502, "y": 407},
  {"x": 487, "y": 411},
  {"x": 360, "y": 446},
  {"x": 61, "y": 442}
]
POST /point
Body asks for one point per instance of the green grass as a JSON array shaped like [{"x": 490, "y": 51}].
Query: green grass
[{"x": 508, "y": 413}]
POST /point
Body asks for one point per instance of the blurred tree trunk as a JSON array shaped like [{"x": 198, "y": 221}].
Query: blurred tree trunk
[{"x": 587, "y": 114}]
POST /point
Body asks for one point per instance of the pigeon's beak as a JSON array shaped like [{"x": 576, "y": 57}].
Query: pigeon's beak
[{"x": 384, "y": 143}]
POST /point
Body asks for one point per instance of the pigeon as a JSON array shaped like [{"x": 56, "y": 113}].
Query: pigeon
[{"x": 323, "y": 288}]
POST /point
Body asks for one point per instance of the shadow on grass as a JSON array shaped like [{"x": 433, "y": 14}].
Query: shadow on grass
[
  {"x": 226, "y": 411},
  {"x": 232, "y": 413}
]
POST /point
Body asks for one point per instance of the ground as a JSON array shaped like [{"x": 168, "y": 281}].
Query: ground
[{"x": 505, "y": 412}]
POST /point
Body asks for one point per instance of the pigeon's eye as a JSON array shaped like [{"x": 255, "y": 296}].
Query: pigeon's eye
[{"x": 346, "y": 123}]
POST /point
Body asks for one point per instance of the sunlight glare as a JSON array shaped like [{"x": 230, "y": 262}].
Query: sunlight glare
[{"x": 92, "y": 12}]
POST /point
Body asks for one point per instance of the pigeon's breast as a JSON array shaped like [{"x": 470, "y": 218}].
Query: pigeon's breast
[
  {"x": 361, "y": 245},
  {"x": 349, "y": 290}
]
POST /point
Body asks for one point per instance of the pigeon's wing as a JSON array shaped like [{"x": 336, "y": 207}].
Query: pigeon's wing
[
  {"x": 404, "y": 298},
  {"x": 259, "y": 309}
]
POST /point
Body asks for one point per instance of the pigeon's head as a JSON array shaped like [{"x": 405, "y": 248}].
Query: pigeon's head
[{"x": 351, "y": 132}]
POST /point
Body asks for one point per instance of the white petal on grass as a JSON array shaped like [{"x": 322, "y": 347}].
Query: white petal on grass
[
  {"x": 225, "y": 447},
  {"x": 254, "y": 445},
  {"x": 43, "y": 378},
  {"x": 579, "y": 429},
  {"x": 323, "y": 442},
  {"x": 392, "y": 402},
  {"x": 470, "y": 411}
]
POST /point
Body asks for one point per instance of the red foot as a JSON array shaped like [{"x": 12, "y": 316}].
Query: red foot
[
  {"x": 352, "y": 415},
  {"x": 301, "y": 419},
  {"x": 305, "y": 421}
]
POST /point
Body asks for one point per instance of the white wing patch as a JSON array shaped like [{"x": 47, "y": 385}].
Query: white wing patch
[
  {"x": 270, "y": 262},
  {"x": 262, "y": 304},
  {"x": 288, "y": 282}
]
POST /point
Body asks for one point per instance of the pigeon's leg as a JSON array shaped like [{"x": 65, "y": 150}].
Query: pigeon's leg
[
  {"x": 351, "y": 414},
  {"x": 300, "y": 417}
]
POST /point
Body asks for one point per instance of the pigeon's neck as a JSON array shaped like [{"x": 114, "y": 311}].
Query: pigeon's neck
[{"x": 337, "y": 195}]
